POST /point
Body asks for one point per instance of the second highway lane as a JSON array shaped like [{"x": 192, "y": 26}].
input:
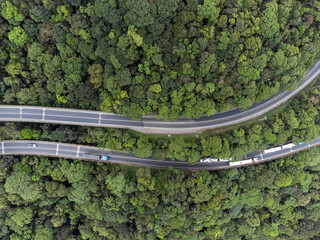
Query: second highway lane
[{"x": 72, "y": 151}]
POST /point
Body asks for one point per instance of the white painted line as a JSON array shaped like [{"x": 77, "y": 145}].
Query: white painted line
[
  {"x": 261, "y": 155},
  {"x": 43, "y": 114},
  {"x": 40, "y": 148},
  {"x": 57, "y": 149},
  {"x": 100, "y": 114},
  {"x": 291, "y": 149},
  {"x": 78, "y": 150},
  {"x": 309, "y": 145},
  {"x": 20, "y": 113},
  {"x": 2, "y": 147}
]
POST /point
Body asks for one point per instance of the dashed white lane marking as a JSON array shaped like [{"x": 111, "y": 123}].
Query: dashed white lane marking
[
  {"x": 78, "y": 150},
  {"x": 20, "y": 113},
  {"x": 43, "y": 114},
  {"x": 261, "y": 155},
  {"x": 57, "y": 149},
  {"x": 100, "y": 118},
  {"x": 2, "y": 145}
]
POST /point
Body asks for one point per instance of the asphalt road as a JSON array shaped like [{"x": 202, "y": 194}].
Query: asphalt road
[
  {"x": 150, "y": 124},
  {"x": 72, "y": 151}
]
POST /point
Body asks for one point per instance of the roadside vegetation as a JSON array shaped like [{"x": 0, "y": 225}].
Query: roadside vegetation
[
  {"x": 168, "y": 57},
  {"x": 43, "y": 198}
]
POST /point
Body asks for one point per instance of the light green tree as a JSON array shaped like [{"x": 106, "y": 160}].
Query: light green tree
[
  {"x": 21, "y": 183},
  {"x": 96, "y": 75},
  {"x": 269, "y": 20},
  {"x": 155, "y": 88},
  {"x": 283, "y": 179},
  {"x": 18, "y": 36},
  {"x": 11, "y": 13}
]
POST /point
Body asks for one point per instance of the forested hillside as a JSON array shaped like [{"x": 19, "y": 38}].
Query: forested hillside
[
  {"x": 43, "y": 198},
  {"x": 168, "y": 57}
]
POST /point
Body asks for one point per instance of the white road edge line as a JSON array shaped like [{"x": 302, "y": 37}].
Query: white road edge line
[
  {"x": 78, "y": 150},
  {"x": 57, "y": 149}
]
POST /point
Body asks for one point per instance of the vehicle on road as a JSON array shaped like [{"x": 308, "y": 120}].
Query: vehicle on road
[
  {"x": 95, "y": 156},
  {"x": 271, "y": 150},
  {"x": 290, "y": 145},
  {"x": 32, "y": 145},
  {"x": 225, "y": 160},
  {"x": 248, "y": 161},
  {"x": 209, "y": 160}
]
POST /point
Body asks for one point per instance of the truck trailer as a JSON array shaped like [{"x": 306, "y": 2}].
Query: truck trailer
[
  {"x": 95, "y": 156},
  {"x": 247, "y": 161},
  {"x": 271, "y": 150}
]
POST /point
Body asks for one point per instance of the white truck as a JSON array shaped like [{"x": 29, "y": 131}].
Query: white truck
[
  {"x": 290, "y": 145},
  {"x": 239, "y": 163},
  {"x": 208, "y": 160},
  {"x": 225, "y": 160},
  {"x": 271, "y": 150}
]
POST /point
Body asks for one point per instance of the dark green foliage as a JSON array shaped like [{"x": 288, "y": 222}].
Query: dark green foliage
[
  {"x": 168, "y": 58},
  {"x": 61, "y": 199}
]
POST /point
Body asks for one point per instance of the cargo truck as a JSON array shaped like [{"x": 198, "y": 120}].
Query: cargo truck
[
  {"x": 239, "y": 163},
  {"x": 271, "y": 150},
  {"x": 95, "y": 156},
  {"x": 208, "y": 160},
  {"x": 289, "y": 145}
]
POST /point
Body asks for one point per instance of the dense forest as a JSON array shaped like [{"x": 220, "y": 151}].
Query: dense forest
[
  {"x": 170, "y": 58},
  {"x": 45, "y": 199},
  {"x": 167, "y": 57}
]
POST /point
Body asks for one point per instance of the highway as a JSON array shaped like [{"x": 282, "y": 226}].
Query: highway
[
  {"x": 150, "y": 124},
  {"x": 72, "y": 151}
]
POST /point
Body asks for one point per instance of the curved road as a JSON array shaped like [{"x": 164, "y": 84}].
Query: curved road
[
  {"x": 73, "y": 151},
  {"x": 150, "y": 124}
]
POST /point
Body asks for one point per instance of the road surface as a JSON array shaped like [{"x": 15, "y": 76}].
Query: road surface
[
  {"x": 150, "y": 124},
  {"x": 72, "y": 151}
]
